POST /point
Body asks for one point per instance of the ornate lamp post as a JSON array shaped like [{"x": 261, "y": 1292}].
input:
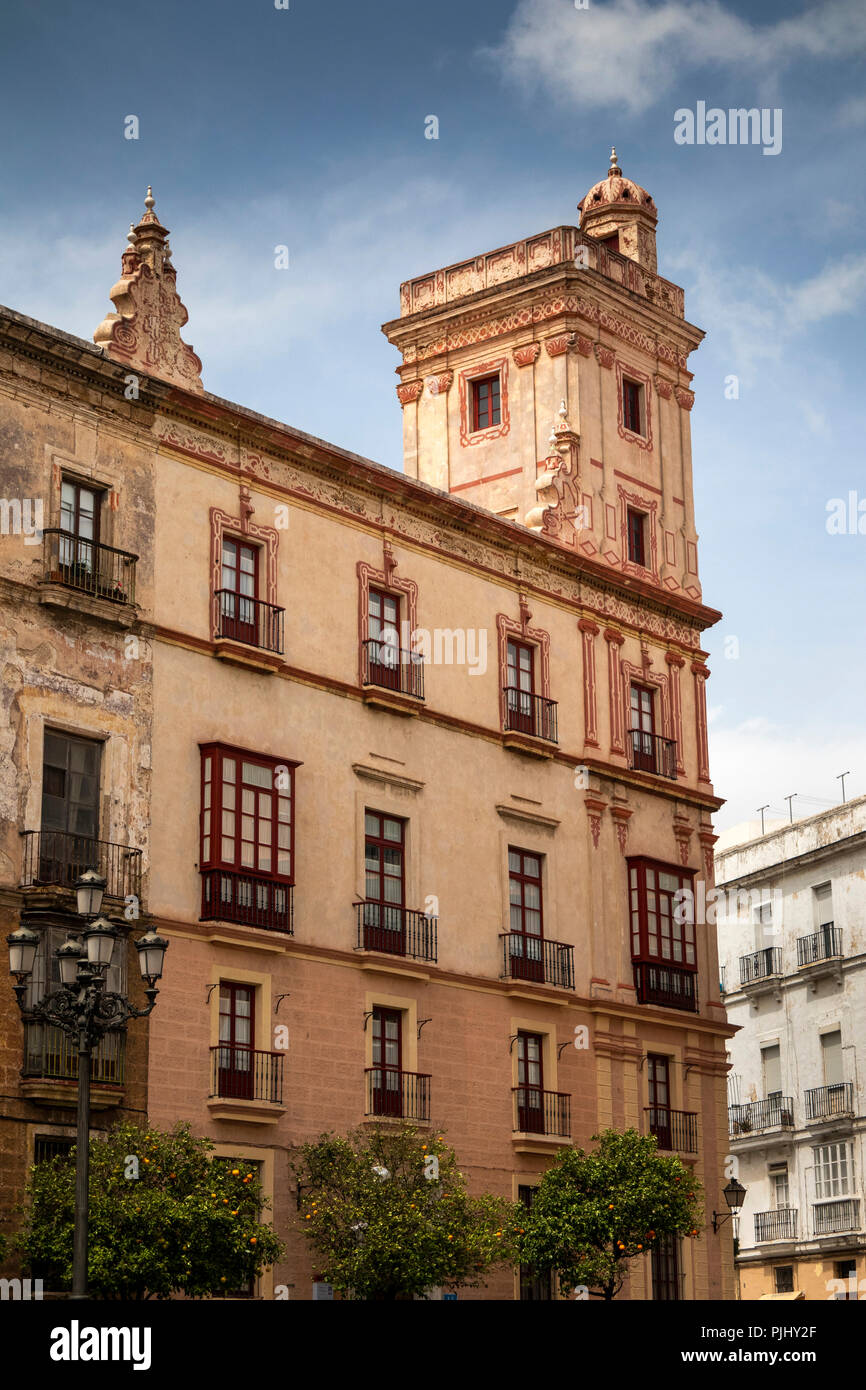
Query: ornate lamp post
[
  {"x": 734, "y": 1194},
  {"x": 85, "y": 1010}
]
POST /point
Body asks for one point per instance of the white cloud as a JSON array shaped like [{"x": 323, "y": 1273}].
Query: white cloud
[{"x": 629, "y": 53}]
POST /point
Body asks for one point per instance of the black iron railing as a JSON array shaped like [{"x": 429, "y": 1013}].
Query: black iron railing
[
  {"x": 50, "y": 1054},
  {"x": 242, "y": 1073},
  {"x": 399, "y": 1095},
  {"x": 776, "y": 1225},
  {"x": 541, "y": 1112},
  {"x": 253, "y": 902},
  {"x": 96, "y": 569},
  {"x": 249, "y": 620},
  {"x": 386, "y": 666},
  {"x": 824, "y": 944},
  {"x": 831, "y": 1218},
  {"x": 538, "y": 959},
  {"x": 823, "y": 1102},
  {"x": 56, "y": 858},
  {"x": 652, "y": 753},
  {"x": 758, "y": 1116},
  {"x": 674, "y": 1129},
  {"x": 530, "y": 714},
  {"x": 399, "y": 931},
  {"x": 761, "y": 965},
  {"x": 668, "y": 985}
]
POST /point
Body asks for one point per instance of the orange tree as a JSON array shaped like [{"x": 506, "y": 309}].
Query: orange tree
[
  {"x": 592, "y": 1213},
  {"x": 388, "y": 1214},
  {"x": 165, "y": 1218}
]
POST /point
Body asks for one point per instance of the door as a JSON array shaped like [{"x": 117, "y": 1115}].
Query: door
[
  {"x": 70, "y": 808},
  {"x": 520, "y": 687},
  {"x": 239, "y": 590},
  {"x": 387, "y": 1062},
  {"x": 658, "y": 1092},
  {"x": 533, "y": 1287},
  {"x": 79, "y": 522},
  {"x": 383, "y": 634},
  {"x": 237, "y": 1031},
  {"x": 526, "y": 948},
  {"x": 384, "y": 909},
  {"x": 642, "y": 729},
  {"x": 530, "y": 1084}
]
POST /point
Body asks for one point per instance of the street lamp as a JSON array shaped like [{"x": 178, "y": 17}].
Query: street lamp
[
  {"x": 85, "y": 1011},
  {"x": 734, "y": 1194}
]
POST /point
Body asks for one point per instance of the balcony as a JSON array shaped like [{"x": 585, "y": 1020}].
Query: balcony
[
  {"x": 776, "y": 1225},
  {"x": 836, "y": 1218},
  {"x": 535, "y": 959},
  {"x": 830, "y": 1102},
  {"x": 820, "y": 954},
  {"x": 538, "y": 1112},
  {"x": 676, "y": 1130},
  {"x": 652, "y": 753},
  {"x": 250, "y": 901},
  {"x": 54, "y": 858},
  {"x": 396, "y": 931},
  {"x": 397, "y": 1095},
  {"x": 242, "y": 1073},
  {"x": 50, "y": 1070},
  {"x": 530, "y": 722},
  {"x": 668, "y": 985},
  {"x": 391, "y": 678},
  {"x": 248, "y": 631},
  {"x": 762, "y": 970},
  {"x": 759, "y": 1117},
  {"x": 99, "y": 575}
]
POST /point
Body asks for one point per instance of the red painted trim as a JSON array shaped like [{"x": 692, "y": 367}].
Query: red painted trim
[{"x": 493, "y": 478}]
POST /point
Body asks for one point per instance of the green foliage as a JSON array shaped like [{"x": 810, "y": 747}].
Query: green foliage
[
  {"x": 593, "y": 1212},
  {"x": 391, "y": 1237},
  {"x": 188, "y": 1223}
]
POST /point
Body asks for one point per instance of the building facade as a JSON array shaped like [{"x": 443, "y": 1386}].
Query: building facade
[
  {"x": 429, "y": 752},
  {"x": 793, "y": 955}
]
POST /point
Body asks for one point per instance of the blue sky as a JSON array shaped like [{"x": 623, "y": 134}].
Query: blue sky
[{"x": 305, "y": 127}]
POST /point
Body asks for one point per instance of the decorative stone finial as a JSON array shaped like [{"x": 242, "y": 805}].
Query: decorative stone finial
[
  {"x": 150, "y": 200},
  {"x": 130, "y": 236},
  {"x": 614, "y": 167}
]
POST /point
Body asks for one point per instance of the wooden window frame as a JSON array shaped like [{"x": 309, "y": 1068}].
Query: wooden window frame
[
  {"x": 99, "y": 494},
  {"x": 214, "y": 859},
  {"x": 639, "y": 933},
  {"x": 636, "y": 532},
  {"x": 633, "y": 401},
  {"x": 475, "y": 387}
]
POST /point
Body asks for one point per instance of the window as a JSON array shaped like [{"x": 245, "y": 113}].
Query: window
[
  {"x": 832, "y": 1173},
  {"x": 486, "y": 403},
  {"x": 636, "y": 524},
  {"x": 48, "y": 1051},
  {"x": 666, "y": 1269},
  {"x": 48, "y": 1146},
  {"x": 831, "y": 1053},
  {"x": 658, "y": 1095},
  {"x": 533, "y": 1287},
  {"x": 784, "y": 1277},
  {"x": 387, "y": 1062},
  {"x": 611, "y": 242},
  {"x": 846, "y": 1272},
  {"x": 771, "y": 1069},
  {"x": 822, "y": 903},
  {"x": 384, "y": 868},
  {"x": 525, "y": 914},
  {"x": 648, "y": 752},
  {"x": 247, "y": 836},
  {"x": 520, "y": 686},
  {"x": 239, "y": 582},
  {"x": 632, "y": 406},
  {"x": 655, "y": 932},
  {"x": 779, "y": 1187},
  {"x": 80, "y": 508},
  {"x": 237, "y": 1041},
  {"x": 70, "y": 794},
  {"x": 530, "y": 1084}
]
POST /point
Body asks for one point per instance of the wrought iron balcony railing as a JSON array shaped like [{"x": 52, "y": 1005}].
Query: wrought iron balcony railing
[
  {"x": 652, "y": 753},
  {"x": 253, "y": 902},
  {"x": 538, "y": 959},
  {"x": 674, "y": 1129},
  {"x": 242, "y": 1073},
  {"x": 761, "y": 965},
  {"x": 530, "y": 714},
  {"x": 780, "y": 1224},
  {"x": 398, "y": 931},
  {"x": 758, "y": 1116},
  {"x": 834, "y": 1218},
  {"x": 398, "y": 1095},
  {"x": 824, "y": 944},
  {"x": 56, "y": 858},
  {"x": 96, "y": 569},
  {"x": 541, "y": 1112},
  {"x": 389, "y": 668},
  {"x": 51, "y": 1055},
  {"x": 825, "y": 1102},
  {"x": 668, "y": 985},
  {"x": 250, "y": 621}
]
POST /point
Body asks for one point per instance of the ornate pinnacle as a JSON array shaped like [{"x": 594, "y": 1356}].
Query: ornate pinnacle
[{"x": 614, "y": 167}]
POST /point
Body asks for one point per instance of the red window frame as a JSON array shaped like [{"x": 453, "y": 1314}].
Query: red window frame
[
  {"x": 656, "y": 935},
  {"x": 520, "y": 686},
  {"x": 236, "y": 1058},
  {"x": 526, "y": 951},
  {"x": 530, "y": 1082},
  {"x": 384, "y": 910},
  {"x": 642, "y": 727},
  {"x": 238, "y": 598},
  {"x": 486, "y": 402},
  {"x": 611, "y": 242},
  {"x": 387, "y": 1061},
  {"x": 636, "y": 528},
  {"x": 631, "y": 405},
  {"x": 659, "y": 1097},
  {"x": 220, "y": 809}
]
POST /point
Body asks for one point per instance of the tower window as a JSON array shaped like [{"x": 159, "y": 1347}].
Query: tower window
[
  {"x": 486, "y": 402},
  {"x": 611, "y": 242},
  {"x": 632, "y": 406},
  {"x": 636, "y": 537}
]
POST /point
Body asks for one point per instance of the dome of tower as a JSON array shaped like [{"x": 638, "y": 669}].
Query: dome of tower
[{"x": 615, "y": 192}]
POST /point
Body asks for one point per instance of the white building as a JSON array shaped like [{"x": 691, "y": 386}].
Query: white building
[{"x": 792, "y": 949}]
